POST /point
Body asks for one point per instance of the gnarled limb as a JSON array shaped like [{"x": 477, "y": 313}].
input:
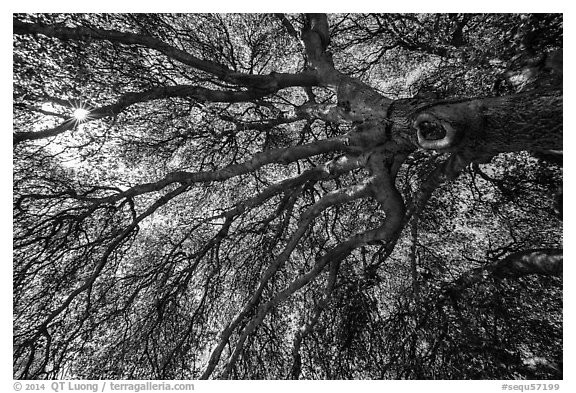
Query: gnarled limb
[
  {"x": 279, "y": 156},
  {"x": 446, "y": 171},
  {"x": 359, "y": 100},
  {"x": 274, "y": 81},
  {"x": 86, "y": 286},
  {"x": 382, "y": 188},
  {"x": 334, "y": 198},
  {"x": 526, "y": 121},
  {"x": 128, "y": 99},
  {"x": 546, "y": 262}
]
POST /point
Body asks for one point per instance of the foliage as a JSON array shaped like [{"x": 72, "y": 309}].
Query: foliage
[{"x": 204, "y": 222}]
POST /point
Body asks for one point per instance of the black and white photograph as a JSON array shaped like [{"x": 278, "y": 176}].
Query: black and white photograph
[{"x": 287, "y": 196}]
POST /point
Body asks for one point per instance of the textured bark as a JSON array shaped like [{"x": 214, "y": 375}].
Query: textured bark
[
  {"x": 280, "y": 156},
  {"x": 198, "y": 93},
  {"x": 545, "y": 262},
  {"x": 383, "y": 133},
  {"x": 356, "y": 100},
  {"x": 526, "y": 121},
  {"x": 274, "y": 81}
]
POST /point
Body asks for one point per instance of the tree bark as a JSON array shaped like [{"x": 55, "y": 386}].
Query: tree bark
[
  {"x": 545, "y": 262},
  {"x": 529, "y": 121}
]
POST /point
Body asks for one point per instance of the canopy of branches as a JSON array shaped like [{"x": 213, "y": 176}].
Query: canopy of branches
[{"x": 271, "y": 196}]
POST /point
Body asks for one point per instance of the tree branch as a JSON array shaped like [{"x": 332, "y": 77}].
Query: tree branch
[
  {"x": 274, "y": 81},
  {"x": 128, "y": 99},
  {"x": 87, "y": 285},
  {"x": 545, "y": 262},
  {"x": 271, "y": 156},
  {"x": 288, "y": 25},
  {"x": 337, "y": 197},
  {"x": 386, "y": 232},
  {"x": 330, "y": 169},
  {"x": 529, "y": 121},
  {"x": 382, "y": 187}
]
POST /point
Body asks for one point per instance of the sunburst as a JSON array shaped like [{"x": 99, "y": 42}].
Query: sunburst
[
  {"x": 81, "y": 111},
  {"x": 80, "y": 114}
]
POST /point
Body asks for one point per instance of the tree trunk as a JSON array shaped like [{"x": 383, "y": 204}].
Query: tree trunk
[{"x": 529, "y": 121}]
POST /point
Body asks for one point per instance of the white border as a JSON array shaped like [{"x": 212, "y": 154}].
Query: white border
[{"x": 568, "y": 384}]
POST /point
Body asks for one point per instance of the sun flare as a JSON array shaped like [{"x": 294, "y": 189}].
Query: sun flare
[{"x": 80, "y": 114}]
